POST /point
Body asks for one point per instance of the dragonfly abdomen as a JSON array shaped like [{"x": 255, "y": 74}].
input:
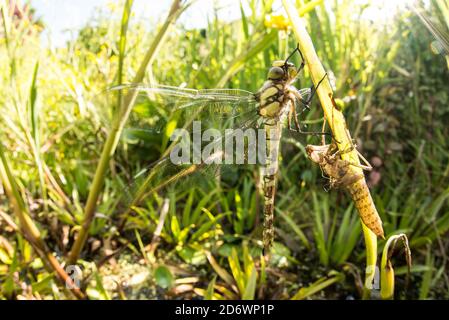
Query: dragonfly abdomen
[
  {"x": 269, "y": 185},
  {"x": 273, "y": 130}
]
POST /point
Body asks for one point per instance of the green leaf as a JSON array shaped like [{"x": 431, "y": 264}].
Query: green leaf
[
  {"x": 236, "y": 270},
  {"x": 192, "y": 256},
  {"x": 316, "y": 287},
  {"x": 163, "y": 277},
  {"x": 222, "y": 273},
  {"x": 44, "y": 284},
  {"x": 4, "y": 257},
  {"x": 295, "y": 228},
  {"x": 174, "y": 225},
  {"x": 9, "y": 285},
  {"x": 183, "y": 234},
  {"x": 250, "y": 289},
  {"x": 188, "y": 208},
  {"x": 195, "y": 217},
  {"x": 244, "y": 21},
  {"x": 32, "y": 104},
  {"x": 210, "y": 289},
  {"x": 122, "y": 43},
  {"x": 100, "y": 288},
  {"x": 427, "y": 277},
  {"x": 208, "y": 225}
]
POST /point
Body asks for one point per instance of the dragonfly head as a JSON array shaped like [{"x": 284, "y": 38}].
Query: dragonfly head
[
  {"x": 276, "y": 73},
  {"x": 282, "y": 70}
]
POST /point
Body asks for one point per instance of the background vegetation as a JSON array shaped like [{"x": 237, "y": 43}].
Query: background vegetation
[{"x": 390, "y": 76}]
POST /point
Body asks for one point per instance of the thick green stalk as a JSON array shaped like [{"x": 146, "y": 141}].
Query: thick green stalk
[
  {"x": 371, "y": 260},
  {"x": 117, "y": 127}
]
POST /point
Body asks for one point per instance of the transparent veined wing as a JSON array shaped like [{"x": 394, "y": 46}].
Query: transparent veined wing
[
  {"x": 164, "y": 174},
  {"x": 159, "y": 110},
  {"x": 173, "y": 108},
  {"x": 163, "y": 177},
  {"x": 305, "y": 95},
  {"x": 200, "y": 198},
  {"x": 181, "y": 98}
]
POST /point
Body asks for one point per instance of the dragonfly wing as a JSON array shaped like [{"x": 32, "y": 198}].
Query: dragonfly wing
[
  {"x": 182, "y": 98},
  {"x": 168, "y": 91},
  {"x": 163, "y": 175},
  {"x": 304, "y": 95},
  {"x": 161, "y": 104},
  {"x": 159, "y": 110}
]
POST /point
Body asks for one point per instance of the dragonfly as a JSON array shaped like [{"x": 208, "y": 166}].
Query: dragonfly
[{"x": 275, "y": 106}]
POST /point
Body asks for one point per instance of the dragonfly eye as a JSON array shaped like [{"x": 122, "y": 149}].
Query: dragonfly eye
[{"x": 275, "y": 73}]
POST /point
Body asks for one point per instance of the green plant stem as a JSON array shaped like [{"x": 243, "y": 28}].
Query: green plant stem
[
  {"x": 119, "y": 121},
  {"x": 371, "y": 260},
  {"x": 122, "y": 45}
]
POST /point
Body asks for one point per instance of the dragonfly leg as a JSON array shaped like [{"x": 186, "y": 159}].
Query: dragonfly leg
[
  {"x": 302, "y": 59},
  {"x": 323, "y": 175},
  {"x": 298, "y": 129},
  {"x": 290, "y": 114},
  {"x": 313, "y": 90},
  {"x": 302, "y": 65},
  {"x": 323, "y": 140}
]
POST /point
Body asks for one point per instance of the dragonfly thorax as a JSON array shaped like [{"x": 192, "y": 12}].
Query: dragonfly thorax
[{"x": 271, "y": 99}]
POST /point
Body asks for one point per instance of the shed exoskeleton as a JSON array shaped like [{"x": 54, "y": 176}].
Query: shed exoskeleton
[{"x": 339, "y": 171}]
